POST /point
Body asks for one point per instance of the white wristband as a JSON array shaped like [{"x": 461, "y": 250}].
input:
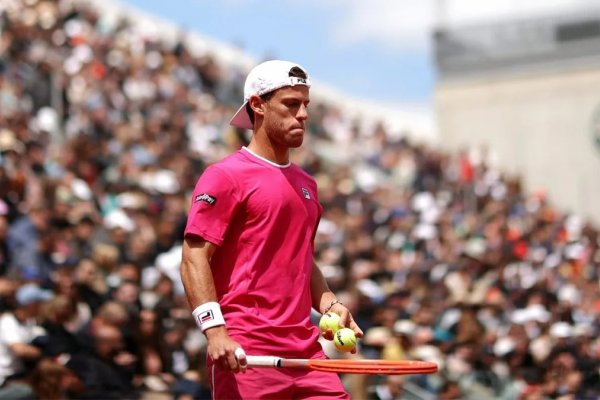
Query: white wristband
[{"x": 208, "y": 315}]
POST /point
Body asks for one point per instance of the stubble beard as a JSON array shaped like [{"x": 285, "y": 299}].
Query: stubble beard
[{"x": 280, "y": 136}]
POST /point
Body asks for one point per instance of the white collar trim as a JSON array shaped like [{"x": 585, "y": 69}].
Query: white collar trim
[{"x": 265, "y": 160}]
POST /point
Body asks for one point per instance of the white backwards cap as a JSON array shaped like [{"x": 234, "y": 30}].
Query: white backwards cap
[{"x": 264, "y": 78}]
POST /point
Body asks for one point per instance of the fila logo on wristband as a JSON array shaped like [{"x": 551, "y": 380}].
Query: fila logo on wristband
[{"x": 208, "y": 315}]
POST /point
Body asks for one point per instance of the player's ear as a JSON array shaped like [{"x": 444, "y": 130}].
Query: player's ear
[{"x": 257, "y": 104}]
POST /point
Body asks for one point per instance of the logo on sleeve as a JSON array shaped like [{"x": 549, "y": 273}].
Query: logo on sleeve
[
  {"x": 205, "y": 197},
  {"x": 306, "y": 193}
]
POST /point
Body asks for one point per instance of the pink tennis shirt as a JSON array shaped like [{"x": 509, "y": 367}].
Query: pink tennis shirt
[{"x": 263, "y": 218}]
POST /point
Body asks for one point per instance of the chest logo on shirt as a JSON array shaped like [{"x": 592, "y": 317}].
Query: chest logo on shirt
[
  {"x": 306, "y": 193},
  {"x": 205, "y": 197}
]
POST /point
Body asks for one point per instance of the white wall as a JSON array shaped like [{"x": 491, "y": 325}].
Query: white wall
[{"x": 539, "y": 125}]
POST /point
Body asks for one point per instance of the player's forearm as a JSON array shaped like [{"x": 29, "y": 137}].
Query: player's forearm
[
  {"x": 321, "y": 295},
  {"x": 196, "y": 274},
  {"x": 198, "y": 282}
]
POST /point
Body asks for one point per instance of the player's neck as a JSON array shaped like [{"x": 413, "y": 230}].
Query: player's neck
[{"x": 266, "y": 150}]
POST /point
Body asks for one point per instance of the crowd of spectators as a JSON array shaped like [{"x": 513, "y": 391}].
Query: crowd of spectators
[{"x": 103, "y": 133}]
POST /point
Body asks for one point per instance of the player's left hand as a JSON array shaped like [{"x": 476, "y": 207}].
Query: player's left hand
[{"x": 346, "y": 321}]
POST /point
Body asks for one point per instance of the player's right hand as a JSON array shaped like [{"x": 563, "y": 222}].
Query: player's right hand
[{"x": 222, "y": 350}]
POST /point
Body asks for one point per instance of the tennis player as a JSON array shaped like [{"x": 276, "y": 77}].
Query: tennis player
[{"x": 248, "y": 267}]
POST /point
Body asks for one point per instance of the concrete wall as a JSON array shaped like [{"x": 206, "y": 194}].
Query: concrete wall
[{"x": 539, "y": 125}]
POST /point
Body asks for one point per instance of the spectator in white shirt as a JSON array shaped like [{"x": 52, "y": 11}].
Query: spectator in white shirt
[{"x": 18, "y": 329}]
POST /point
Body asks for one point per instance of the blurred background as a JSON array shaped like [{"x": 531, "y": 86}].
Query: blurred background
[{"x": 456, "y": 145}]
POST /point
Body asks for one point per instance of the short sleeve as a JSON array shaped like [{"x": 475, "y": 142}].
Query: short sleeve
[{"x": 214, "y": 202}]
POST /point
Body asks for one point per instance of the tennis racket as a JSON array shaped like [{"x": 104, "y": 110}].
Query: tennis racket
[{"x": 346, "y": 366}]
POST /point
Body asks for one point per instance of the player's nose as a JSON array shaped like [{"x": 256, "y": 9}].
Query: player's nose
[{"x": 302, "y": 113}]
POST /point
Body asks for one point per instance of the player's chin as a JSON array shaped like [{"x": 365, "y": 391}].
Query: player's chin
[{"x": 295, "y": 141}]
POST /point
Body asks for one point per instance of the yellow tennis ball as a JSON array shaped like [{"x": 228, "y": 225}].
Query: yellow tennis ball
[
  {"x": 344, "y": 339},
  {"x": 329, "y": 320}
]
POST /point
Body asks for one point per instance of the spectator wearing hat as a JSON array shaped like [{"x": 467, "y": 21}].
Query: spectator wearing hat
[{"x": 18, "y": 330}]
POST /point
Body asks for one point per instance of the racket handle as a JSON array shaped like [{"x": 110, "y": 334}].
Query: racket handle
[
  {"x": 264, "y": 361},
  {"x": 277, "y": 362}
]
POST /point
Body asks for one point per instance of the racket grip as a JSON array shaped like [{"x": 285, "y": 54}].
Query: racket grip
[{"x": 263, "y": 361}]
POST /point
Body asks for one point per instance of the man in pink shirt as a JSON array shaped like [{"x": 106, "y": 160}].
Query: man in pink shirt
[{"x": 248, "y": 267}]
